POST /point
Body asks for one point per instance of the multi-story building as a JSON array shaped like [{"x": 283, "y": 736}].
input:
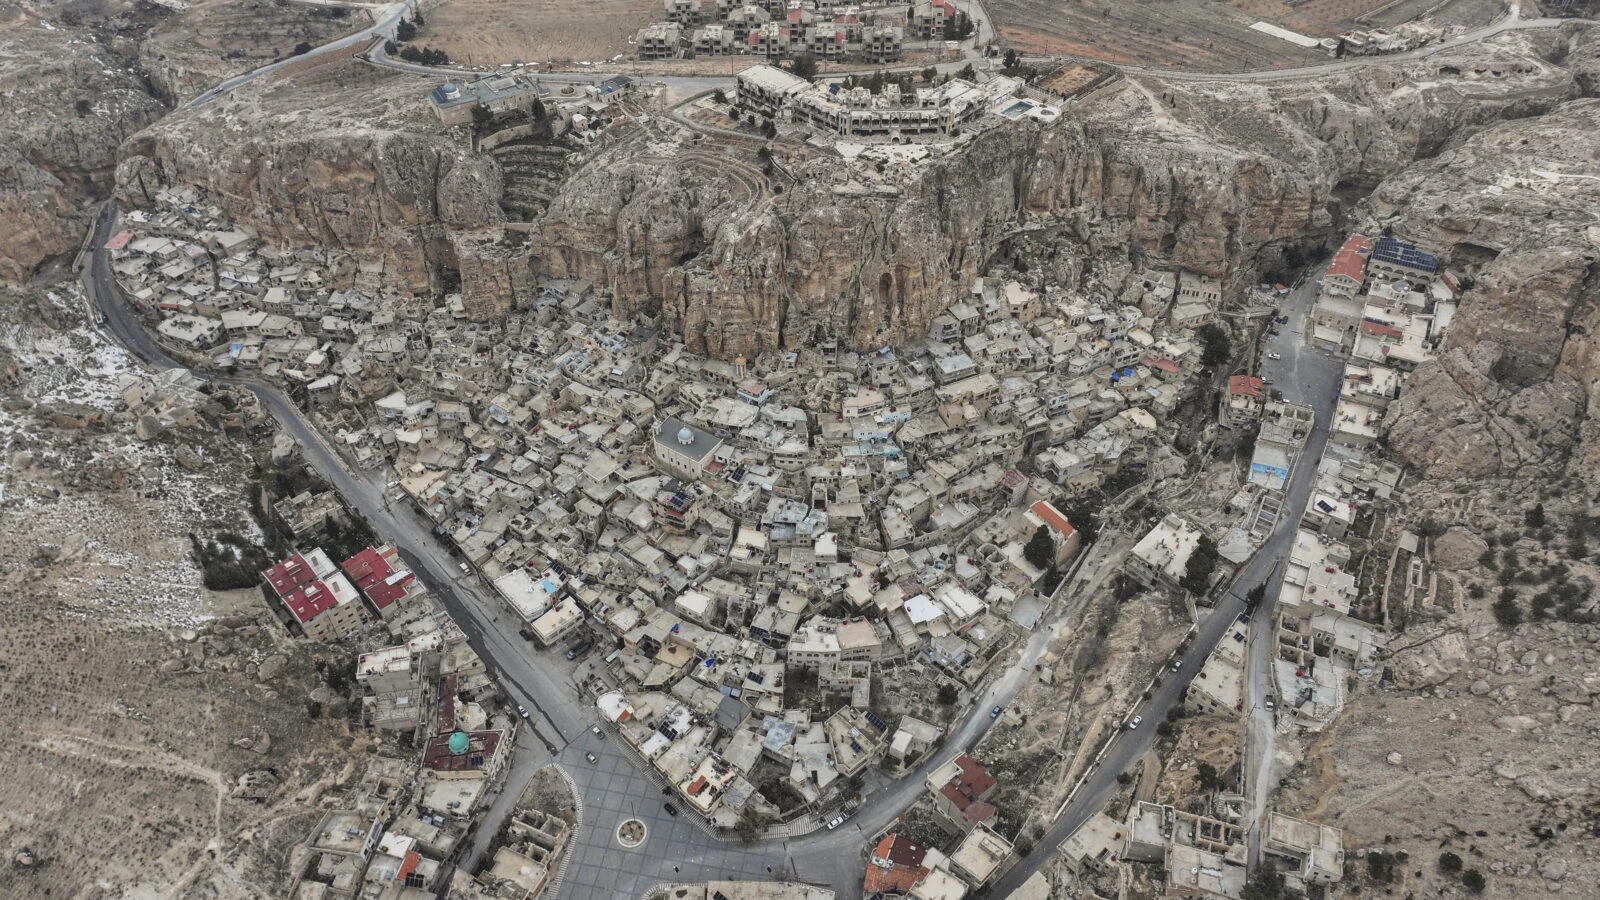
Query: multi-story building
[{"x": 660, "y": 40}]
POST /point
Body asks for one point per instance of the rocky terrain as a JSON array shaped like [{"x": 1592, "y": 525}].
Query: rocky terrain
[
  {"x": 69, "y": 100},
  {"x": 366, "y": 167},
  {"x": 157, "y": 734},
  {"x": 1212, "y": 177}
]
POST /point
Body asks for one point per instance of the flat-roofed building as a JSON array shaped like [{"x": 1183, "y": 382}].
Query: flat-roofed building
[{"x": 683, "y": 449}]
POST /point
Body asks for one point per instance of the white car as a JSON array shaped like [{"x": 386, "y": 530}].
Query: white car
[
  {"x": 839, "y": 820},
  {"x": 1274, "y": 356},
  {"x": 522, "y": 710},
  {"x": 1134, "y": 722}
]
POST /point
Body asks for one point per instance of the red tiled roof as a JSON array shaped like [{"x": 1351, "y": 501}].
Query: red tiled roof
[
  {"x": 309, "y": 601},
  {"x": 1382, "y": 330},
  {"x": 900, "y": 851},
  {"x": 289, "y": 574},
  {"x": 1052, "y": 517},
  {"x": 367, "y": 567},
  {"x": 1348, "y": 264},
  {"x": 385, "y": 592},
  {"x": 889, "y": 879},
  {"x": 967, "y": 788},
  {"x": 1244, "y": 384},
  {"x": 1359, "y": 244},
  {"x": 408, "y": 865},
  {"x": 119, "y": 240}
]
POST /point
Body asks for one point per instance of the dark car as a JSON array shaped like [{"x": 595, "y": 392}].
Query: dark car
[
  {"x": 671, "y": 810},
  {"x": 579, "y": 650},
  {"x": 526, "y": 634}
]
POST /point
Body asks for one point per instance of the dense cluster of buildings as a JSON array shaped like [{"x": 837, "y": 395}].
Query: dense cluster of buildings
[
  {"x": 839, "y": 110},
  {"x": 714, "y": 528},
  {"x": 873, "y": 33}
]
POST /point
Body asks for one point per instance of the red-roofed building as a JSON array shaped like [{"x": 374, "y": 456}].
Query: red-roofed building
[
  {"x": 1246, "y": 396},
  {"x": 1066, "y": 537},
  {"x": 1381, "y": 330},
  {"x": 325, "y": 607},
  {"x": 381, "y": 576},
  {"x": 959, "y": 791},
  {"x": 1348, "y": 270},
  {"x": 896, "y": 866},
  {"x": 285, "y": 577}
]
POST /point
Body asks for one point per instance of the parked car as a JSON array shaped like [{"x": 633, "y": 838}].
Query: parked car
[
  {"x": 526, "y": 634},
  {"x": 837, "y": 821},
  {"x": 1177, "y": 664},
  {"x": 591, "y": 757},
  {"x": 464, "y": 569},
  {"x": 1273, "y": 331},
  {"x": 597, "y": 732},
  {"x": 995, "y": 713},
  {"x": 671, "y": 810},
  {"x": 1269, "y": 704},
  {"x": 1274, "y": 356},
  {"x": 1134, "y": 722},
  {"x": 579, "y": 650},
  {"x": 522, "y": 710}
]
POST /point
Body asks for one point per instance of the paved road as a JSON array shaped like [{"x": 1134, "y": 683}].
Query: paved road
[
  {"x": 1315, "y": 381},
  {"x": 387, "y": 19}
]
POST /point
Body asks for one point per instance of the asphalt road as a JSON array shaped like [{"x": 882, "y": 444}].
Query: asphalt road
[{"x": 1315, "y": 382}]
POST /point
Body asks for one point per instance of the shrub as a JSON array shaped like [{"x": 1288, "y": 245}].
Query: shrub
[
  {"x": 1449, "y": 863},
  {"x": 1507, "y": 612},
  {"x": 1474, "y": 880},
  {"x": 313, "y": 709}
]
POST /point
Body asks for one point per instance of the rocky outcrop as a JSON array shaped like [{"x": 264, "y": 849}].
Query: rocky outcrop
[
  {"x": 367, "y": 172},
  {"x": 1511, "y": 211},
  {"x": 67, "y": 101},
  {"x": 1207, "y": 176}
]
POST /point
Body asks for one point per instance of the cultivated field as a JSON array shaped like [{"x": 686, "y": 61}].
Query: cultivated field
[{"x": 490, "y": 32}]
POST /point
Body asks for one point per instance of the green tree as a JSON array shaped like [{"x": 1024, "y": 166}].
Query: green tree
[
  {"x": 481, "y": 116},
  {"x": 1197, "y": 572},
  {"x": 1207, "y": 777},
  {"x": 1266, "y": 883},
  {"x": 948, "y": 695},
  {"x": 804, "y": 66},
  {"x": 301, "y": 48},
  {"x": 719, "y": 97},
  {"x": 1474, "y": 881},
  {"x": 929, "y": 74},
  {"x": 1449, "y": 863},
  {"x": 418, "y": 20},
  {"x": 1218, "y": 348},
  {"x": 1011, "y": 59},
  {"x": 313, "y": 709},
  {"x": 1040, "y": 551},
  {"x": 967, "y": 73},
  {"x": 1254, "y": 596},
  {"x": 405, "y": 31}
]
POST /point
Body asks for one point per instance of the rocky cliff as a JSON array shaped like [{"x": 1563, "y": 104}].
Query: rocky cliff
[
  {"x": 1209, "y": 176},
  {"x": 68, "y": 101},
  {"x": 1511, "y": 210},
  {"x": 368, "y": 170}
]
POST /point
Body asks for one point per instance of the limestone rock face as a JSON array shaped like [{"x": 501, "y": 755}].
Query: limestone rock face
[
  {"x": 494, "y": 271},
  {"x": 386, "y": 185},
  {"x": 1208, "y": 176},
  {"x": 67, "y": 101},
  {"x": 1510, "y": 210}
]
